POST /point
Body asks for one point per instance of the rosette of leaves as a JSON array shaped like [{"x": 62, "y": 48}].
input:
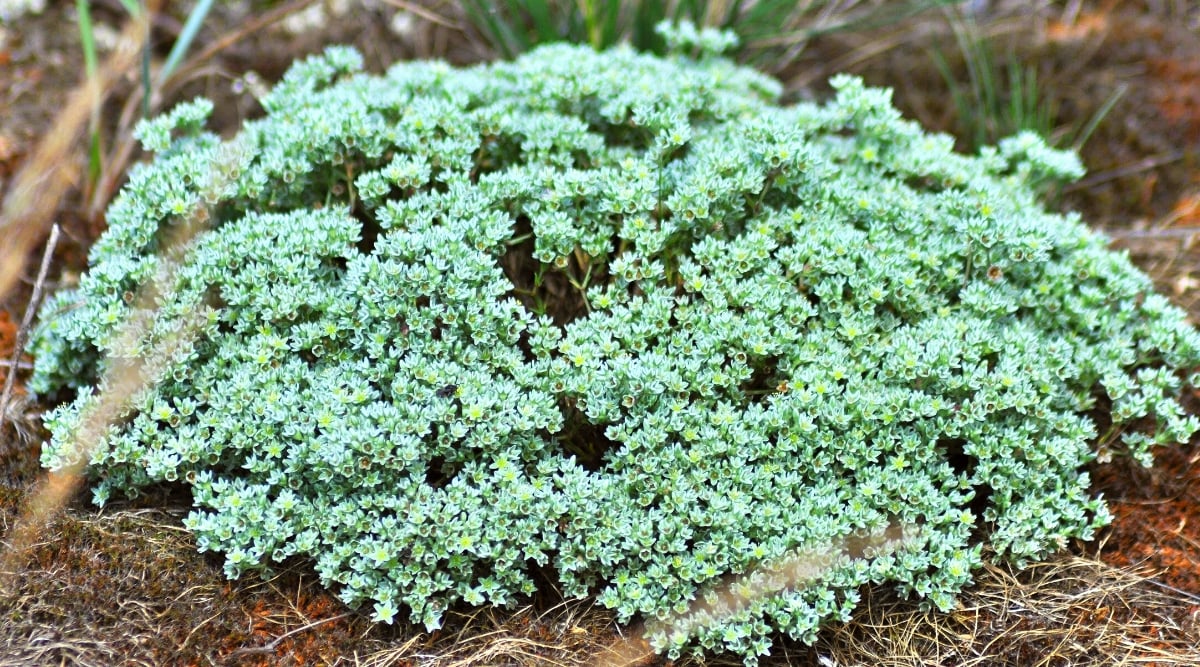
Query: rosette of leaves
[{"x": 620, "y": 321}]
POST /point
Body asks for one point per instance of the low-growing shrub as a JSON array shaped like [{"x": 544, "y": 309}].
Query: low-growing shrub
[{"x": 617, "y": 320}]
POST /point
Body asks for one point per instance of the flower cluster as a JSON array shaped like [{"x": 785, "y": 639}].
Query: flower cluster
[{"x": 620, "y": 318}]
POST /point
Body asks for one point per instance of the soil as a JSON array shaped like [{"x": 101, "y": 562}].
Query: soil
[{"x": 126, "y": 585}]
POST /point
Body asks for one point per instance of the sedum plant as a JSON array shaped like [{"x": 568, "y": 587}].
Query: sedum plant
[{"x": 617, "y": 321}]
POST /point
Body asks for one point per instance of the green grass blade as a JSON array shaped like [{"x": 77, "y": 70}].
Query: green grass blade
[
  {"x": 646, "y": 15},
  {"x": 686, "y": 10},
  {"x": 610, "y": 27},
  {"x": 186, "y": 36},
  {"x": 982, "y": 110},
  {"x": 135, "y": 10},
  {"x": 1099, "y": 116},
  {"x": 484, "y": 16},
  {"x": 95, "y": 159},
  {"x": 87, "y": 39},
  {"x": 965, "y": 103},
  {"x": 87, "y": 36},
  {"x": 1041, "y": 109},
  {"x": 1015, "y": 116},
  {"x": 541, "y": 15}
]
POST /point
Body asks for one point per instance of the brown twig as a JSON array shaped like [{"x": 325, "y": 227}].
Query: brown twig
[
  {"x": 1146, "y": 164},
  {"x": 1191, "y": 596},
  {"x": 1156, "y": 233},
  {"x": 425, "y": 13},
  {"x": 270, "y": 646},
  {"x": 27, "y": 323}
]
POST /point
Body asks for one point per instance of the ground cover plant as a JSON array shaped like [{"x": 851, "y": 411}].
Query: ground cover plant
[{"x": 863, "y": 330}]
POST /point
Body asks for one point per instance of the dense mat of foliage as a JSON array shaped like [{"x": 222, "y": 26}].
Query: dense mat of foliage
[{"x": 617, "y": 320}]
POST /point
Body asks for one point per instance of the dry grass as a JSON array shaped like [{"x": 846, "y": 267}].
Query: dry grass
[
  {"x": 128, "y": 587},
  {"x": 1066, "y": 611}
]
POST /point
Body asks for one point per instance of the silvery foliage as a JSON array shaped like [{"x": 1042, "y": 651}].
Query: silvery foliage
[{"x": 619, "y": 320}]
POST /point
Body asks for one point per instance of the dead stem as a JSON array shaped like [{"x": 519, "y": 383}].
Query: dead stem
[
  {"x": 1146, "y": 164},
  {"x": 27, "y": 324},
  {"x": 425, "y": 13},
  {"x": 270, "y": 647}
]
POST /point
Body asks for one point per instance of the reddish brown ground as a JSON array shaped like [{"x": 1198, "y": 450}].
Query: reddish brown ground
[
  {"x": 1156, "y": 517},
  {"x": 8, "y": 338}
]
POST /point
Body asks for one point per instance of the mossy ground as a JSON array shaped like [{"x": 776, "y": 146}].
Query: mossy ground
[{"x": 126, "y": 586}]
